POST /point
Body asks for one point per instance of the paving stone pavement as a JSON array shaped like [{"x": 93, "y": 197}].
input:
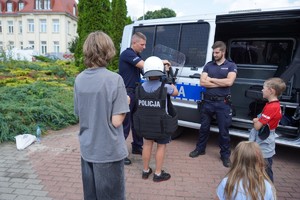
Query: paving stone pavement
[{"x": 50, "y": 170}]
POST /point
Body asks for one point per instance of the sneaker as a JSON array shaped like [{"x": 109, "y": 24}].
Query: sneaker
[
  {"x": 162, "y": 177},
  {"x": 196, "y": 153},
  {"x": 226, "y": 162},
  {"x": 127, "y": 161},
  {"x": 137, "y": 151},
  {"x": 145, "y": 175}
]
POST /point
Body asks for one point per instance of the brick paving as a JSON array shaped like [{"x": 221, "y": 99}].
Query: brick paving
[{"x": 51, "y": 171}]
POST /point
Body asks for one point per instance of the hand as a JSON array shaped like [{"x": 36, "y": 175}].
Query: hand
[
  {"x": 255, "y": 120},
  {"x": 167, "y": 65},
  {"x": 128, "y": 99}
]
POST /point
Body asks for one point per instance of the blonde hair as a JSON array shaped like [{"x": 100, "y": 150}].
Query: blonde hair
[
  {"x": 98, "y": 49},
  {"x": 277, "y": 84},
  {"x": 248, "y": 168}
]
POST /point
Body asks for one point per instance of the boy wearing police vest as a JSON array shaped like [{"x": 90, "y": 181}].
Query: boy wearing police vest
[{"x": 155, "y": 118}]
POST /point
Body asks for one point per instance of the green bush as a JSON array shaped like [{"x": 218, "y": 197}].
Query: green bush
[{"x": 34, "y": 94}]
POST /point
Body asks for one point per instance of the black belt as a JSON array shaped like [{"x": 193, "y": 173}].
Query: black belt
[
  {"x": 131, "y": 90},
  {"x": 214, "y": 98}
]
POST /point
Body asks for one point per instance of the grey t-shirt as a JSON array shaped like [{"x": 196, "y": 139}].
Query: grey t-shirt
[
  {"x": 99, "y": 94},
  {"x": 151, "y": 86},
  {"x": 267, "y": 146}
]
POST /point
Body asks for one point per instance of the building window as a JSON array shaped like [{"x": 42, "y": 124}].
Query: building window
[
  {"x": 20, "y": 27},
  {"x": 10, "y": 27},
  {"x": 11, "y": 45},
  {"x": 55, "y": 25},
  {"x": 0, "y": 27},
  {"x": 21, "y": 5},
  {"x": 56, "y": 46},
  {"x": 43, "y": 26},
  {"x": 42, "y": 4},
  {"x": 74, "y": 10},
  {"x": 38, "y": 4},
  {"x": 9, "y": 6},
  {"x": 21, "y": 45},
  {"x": 31, "y": 44},
  {"x": 68, "y": 27},
  {"x": 74, "y": 28},
  {"x": 30, "y": 25},
  {"x": 44, "y": 47},
  {"x": 47, "y": 5}
]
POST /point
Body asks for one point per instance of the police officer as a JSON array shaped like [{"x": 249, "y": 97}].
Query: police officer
[
  {"x": 217, "y": 77},
  {"x": 130, "y": 66}
]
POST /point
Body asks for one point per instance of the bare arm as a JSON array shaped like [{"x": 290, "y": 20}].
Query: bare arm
[
  {"x": 175, "y": 92},
  {"x": 204, "y": 81},
  {"x": 140, "y": 64},
  {"x": 117, "y": 120},
  {"x": 257, "y": 124},
  {"x": 224, "y": 82}
]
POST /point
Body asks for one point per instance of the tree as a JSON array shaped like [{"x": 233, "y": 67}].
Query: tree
[
  {"x": 162, "y": 13},
  {"x": 93, "y": 15},
  {"x": 73, "y": 45},
  {"x": 119, "y": 20}
]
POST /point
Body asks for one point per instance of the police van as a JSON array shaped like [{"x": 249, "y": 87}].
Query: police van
[{"x": 263, "y": 44}]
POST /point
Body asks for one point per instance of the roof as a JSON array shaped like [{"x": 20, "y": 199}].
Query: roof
[{"x": 65, "y": 6}]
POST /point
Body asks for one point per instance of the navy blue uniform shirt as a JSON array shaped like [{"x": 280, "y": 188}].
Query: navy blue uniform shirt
[
  {"x": 127, "y": 67},
  {"x": 219, "y": 71}
]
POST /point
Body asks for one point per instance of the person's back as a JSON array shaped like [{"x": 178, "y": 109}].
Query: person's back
[
  {"x": 246, "y": 178},
  {"x": 152, "y": 98},
  {"x": 100, "y": 102}
]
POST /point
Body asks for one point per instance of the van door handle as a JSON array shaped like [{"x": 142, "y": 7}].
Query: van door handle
[{"x": 196, "y": 75}]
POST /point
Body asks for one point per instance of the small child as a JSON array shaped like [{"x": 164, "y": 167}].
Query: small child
[
  {"x": 246, "y": 178},
  {"x": 270, "y": 116},
  {"x": 154, "y": 70}
]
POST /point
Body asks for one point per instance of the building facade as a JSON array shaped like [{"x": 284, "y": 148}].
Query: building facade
[{"x": 47, "y": 26}]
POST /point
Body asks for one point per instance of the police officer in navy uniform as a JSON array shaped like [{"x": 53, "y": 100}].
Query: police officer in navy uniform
[
  {"x": 130, "y": 68},
  {"x": 217, "y": 77}
]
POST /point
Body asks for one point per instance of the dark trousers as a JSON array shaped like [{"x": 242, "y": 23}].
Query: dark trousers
[
  {"x": 222, "y": 111},
  {"x": 103, "y": 180},
  {"x": 128, "y": 124},
  {"x": 269, "y": 163}
]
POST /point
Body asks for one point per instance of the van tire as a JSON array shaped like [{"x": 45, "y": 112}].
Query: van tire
[{"x": 177, "y": 133}]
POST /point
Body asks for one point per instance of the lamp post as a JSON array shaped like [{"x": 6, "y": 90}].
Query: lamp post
[{"x": 144, "y": 10}]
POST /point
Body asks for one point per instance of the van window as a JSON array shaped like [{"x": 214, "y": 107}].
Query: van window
[
  {"x": 262, "y": 52},
  {"x": 191, "y": 39}
]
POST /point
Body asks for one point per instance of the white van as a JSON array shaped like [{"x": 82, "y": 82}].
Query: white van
[{"x": 263, "y": 44}]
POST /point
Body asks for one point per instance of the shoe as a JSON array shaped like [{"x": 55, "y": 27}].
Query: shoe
[
  {"x": 196, "y": 153},
  {"x": 145, "y": 175},
  {"x": 127, "y": 161},
  {"x": 226, "y": 162},
  {"x": 164, "y": 176},
  {"x": 137, "y": 151}
]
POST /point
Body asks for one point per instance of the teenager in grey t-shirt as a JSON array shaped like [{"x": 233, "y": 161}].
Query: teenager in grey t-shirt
[{"x": 99, "y": 94}]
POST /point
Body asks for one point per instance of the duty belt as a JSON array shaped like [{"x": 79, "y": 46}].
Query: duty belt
[{"x": 214, "y": 98}]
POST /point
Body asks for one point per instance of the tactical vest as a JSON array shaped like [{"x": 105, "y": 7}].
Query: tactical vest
[{"x": 150, "y": 119}]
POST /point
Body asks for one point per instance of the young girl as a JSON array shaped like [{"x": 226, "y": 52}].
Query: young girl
[{"x": 247, "y": 178}]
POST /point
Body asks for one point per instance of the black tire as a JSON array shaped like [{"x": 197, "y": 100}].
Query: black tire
[{"x": 177, "y": 133}]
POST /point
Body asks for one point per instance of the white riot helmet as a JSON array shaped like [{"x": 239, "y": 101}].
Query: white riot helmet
[{"x": 153, "y": 66}]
